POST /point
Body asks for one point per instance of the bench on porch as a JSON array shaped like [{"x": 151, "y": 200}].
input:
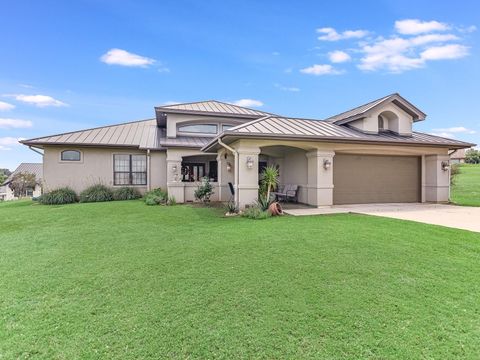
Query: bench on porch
[{"x": 287, "y": 192}]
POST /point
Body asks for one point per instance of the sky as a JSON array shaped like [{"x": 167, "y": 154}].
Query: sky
[{"x": 71, "y": 65}]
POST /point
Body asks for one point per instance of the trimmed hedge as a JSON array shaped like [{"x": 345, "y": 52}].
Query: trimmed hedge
[
  {"x": 126, "y": 193},
  {"x": 58, "y": 197},
  {"x": 96, "y": 193}
]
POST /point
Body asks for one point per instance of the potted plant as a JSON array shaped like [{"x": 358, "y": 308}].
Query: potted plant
[{"x": 269, "y": 181}]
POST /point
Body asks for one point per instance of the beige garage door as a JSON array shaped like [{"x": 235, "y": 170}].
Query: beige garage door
[{"x": 363, "y": 179}]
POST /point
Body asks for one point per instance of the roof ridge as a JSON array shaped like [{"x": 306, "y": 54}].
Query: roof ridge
[
  {"x": 93, "y": 128},
  {"x": 235, "y": 128},
  {"x": 379, "y": 100}
]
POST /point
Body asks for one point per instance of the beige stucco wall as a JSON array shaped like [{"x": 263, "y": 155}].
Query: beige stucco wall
[
  {"x": 158, "y": 169},
  {"x": 96, "y": 166},
  {"x": 8, "y": 196},
  {"x": 173, "y": 120}
]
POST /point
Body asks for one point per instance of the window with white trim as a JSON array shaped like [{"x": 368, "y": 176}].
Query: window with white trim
[
  {"x": 129, "y": 169},
  {"x": 70, "y": 155},
  {"x": 199, "y": 128}
]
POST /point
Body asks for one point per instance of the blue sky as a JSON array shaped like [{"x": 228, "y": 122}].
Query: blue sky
[{"x": 69, "y": 65}]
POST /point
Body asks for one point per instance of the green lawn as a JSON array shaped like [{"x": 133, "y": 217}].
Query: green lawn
[
  {"x": 466, "y": 186},
  {"x": 126, "y": 281}
]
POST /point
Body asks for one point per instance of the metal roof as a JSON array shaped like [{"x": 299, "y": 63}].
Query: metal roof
[
  {"x": 143, "y": 134},
  {"x": 212, "y": 107},
  {"x": 294, "y": 128},
  {"x": 186, "y": 141},
  {"x": 31, "y": 168},
  {"x": 357, "y": 112}
]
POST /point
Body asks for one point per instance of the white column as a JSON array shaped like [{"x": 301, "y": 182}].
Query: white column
[
  {"x": 247, "y": 168},
  {"x": 320, "y": 177},
  {"x": 175, "y": 186},
  {"x": 437, "y": 180}
]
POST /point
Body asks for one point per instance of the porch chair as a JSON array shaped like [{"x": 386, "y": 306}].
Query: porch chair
[{"x": 287, "y": 192}]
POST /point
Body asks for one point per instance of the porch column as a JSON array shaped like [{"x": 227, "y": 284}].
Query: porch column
[
  {"x": 175, "y": 186},
  {"x": 437, "y": 181},
  {"x": 247, "y": 170},
  {"x": 320, "y": 177},
  {"x": 225, "y": 161}
]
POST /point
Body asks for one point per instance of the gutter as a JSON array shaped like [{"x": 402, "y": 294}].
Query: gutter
[
  {"x": 34, "y": 150},
  {"x": 236, "y": 168}
]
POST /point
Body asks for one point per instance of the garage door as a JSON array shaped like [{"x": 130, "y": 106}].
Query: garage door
[{"x": 363, "y": 179}]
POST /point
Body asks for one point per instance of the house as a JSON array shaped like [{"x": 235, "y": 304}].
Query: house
[
  {"x": 31, "y": 168},
  {"x": 369, "y": 154},
  {"x": 458, "y": 156}
]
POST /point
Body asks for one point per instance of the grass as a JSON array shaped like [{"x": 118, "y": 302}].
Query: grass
[
  {"x": 466, "y": 186},
  {"x": 127, "y": 281}
]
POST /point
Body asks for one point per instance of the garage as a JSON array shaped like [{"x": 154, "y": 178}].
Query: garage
[{"x": 364, "y": 179}]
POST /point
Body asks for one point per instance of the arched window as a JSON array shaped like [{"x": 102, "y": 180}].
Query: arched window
[
  {"x": 70, "y": 155},
  {"x": 381, "y": 123}
]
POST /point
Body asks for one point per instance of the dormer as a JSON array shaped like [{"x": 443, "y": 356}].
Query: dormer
[
  {"x": 203, "y": 119},
  {"x": 391, "y": 113}
]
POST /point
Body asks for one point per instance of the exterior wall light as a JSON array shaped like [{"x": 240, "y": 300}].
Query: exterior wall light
[
  {"x": 174, "y": 168},
  {"x": 229, "y": 167},
  {"x": 250, "y": 162},
  {"x": 327, "y": 164},
  {"x": 445, "y": 165}
]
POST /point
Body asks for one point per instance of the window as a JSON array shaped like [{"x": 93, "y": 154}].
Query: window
[
  {"x": 70, "y": 155},
  {"x": 29, "y": 192},
  {"x": 129, "y": 169},
  {"x": 381, "y": 123},
  {"x": 199, "y": 128},
  {"x": 226, "y": 127},
  {"x": 193, "y": 172},
  {"x": 213, "y": 171}
]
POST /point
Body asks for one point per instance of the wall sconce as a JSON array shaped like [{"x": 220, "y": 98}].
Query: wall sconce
[
  {"x": 326, "y": 164},
  {"x": 174, "y": 168},
  {"x": 229, "y": 167},
  {"x": 250, "y": 162},
  {"x": 445, "y": 165}
]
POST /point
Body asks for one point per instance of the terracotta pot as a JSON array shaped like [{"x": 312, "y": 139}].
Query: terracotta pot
[{"x": 275, "y": 209}]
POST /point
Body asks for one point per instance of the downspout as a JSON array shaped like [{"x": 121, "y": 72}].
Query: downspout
[
  {"x": 149, "y": 171},
  {"x": 236, "y": 167},
  {"x": 33, "y": 149}
]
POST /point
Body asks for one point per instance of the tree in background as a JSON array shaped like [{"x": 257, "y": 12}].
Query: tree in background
[
  {"x": 472, "y": 156},
  {"x": 21, "y": 182},
  {"x": 4, "y": 174}
]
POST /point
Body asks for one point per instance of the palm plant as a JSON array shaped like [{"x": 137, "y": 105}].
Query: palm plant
[{"x": 270, "y": 179}]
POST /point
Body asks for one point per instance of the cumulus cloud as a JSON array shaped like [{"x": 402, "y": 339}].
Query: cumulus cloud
[
  {"x": 452, "y": 132},
  {"x": 338, "y": 56},
  {"x": 330, "y": 34},
  {"x": 248, "y": 103},
  {"x": 6, "y": 106},
  {"x": 287, "y": 88},
  {"x": 125, "y": 58},
  {"x": 7, "y": 142},
  {"x": 15, "y": 123},
  {"x": 38, "y": 100},
  {"x": 321, "y": 69},
  {"x": 452, "y": 51},
  {"x": 416, "y": 26}
]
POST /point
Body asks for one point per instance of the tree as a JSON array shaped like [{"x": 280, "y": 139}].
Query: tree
[
  {"x": 472, "y": 156},
  {"x": 21, "y": 182},
  {"x": 269, "y": 179},
  {"x": 4, "y": 174}
]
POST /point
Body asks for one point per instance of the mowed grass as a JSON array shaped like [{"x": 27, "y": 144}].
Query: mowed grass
[
  {"x": 126, "y": 281},
  {"x": 466, "y": 187}
]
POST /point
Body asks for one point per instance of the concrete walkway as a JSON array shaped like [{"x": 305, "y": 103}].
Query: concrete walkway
[{"x": 460, "y": 217}]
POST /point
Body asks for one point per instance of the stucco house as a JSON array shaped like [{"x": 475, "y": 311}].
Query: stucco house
[
  {"x": 458, "y": 156},
  {"x": 36, "y": 169},
  {"x": 369, "y": 154}
]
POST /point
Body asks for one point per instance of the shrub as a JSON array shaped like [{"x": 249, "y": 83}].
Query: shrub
[
  {"x": 126, "y": 193},
  {"x": 231, "y": 207},
  {"x": 96, "y": 193},
  {"x": 171, "y": 201},
  {"x": 264, "y": 202},
  {"x": 156, "y": 197},
  {"x": 454, "y": 171},
  {"x": 255, "y": 213},
  {"x": 59, "y": 196},
  {"x": 204, "y": 190}
]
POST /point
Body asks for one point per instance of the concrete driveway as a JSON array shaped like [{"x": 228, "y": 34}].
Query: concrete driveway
[{"x": 460, "y": 217}]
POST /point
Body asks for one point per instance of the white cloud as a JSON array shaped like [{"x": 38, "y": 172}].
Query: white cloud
[
  {"x": 321, "y": 69},
  {"x": 6, "y": 106},
  {"x": 452, "y": 51},
  {"x": 287, "y": 88},
  {"x": 6, "y": 142},
  {"x": 125, "y": 58},
  {"x": 39, "y": 100},
  {"x": 15, "y": 124},
  {"x": 468, "y": 29},
  {"x": 339, "y": 56},
  {"x": 166, "y": 103},
  {"x": 248, "y": 103},
  {"x": 432, "y": 38},
  {"x": 330, "y": 34},
  {"x": 415, "y": 26},
  {"x": 443, "y": 134},
  {"x": 455, "y": 129}
]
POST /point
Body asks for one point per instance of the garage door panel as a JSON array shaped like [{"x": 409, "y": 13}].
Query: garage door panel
[{"x": 363, "y": 179}]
